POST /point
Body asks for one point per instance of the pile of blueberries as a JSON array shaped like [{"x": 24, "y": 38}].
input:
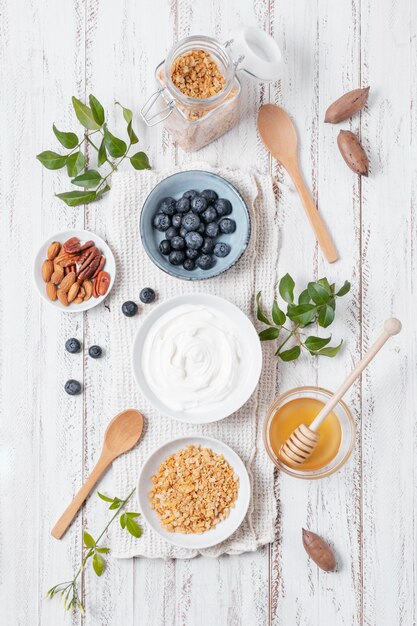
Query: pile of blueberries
[{"x": 191, "y": 226}]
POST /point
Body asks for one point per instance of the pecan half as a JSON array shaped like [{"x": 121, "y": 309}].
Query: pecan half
[
  {"x": 100, "y": 267},
  {"x": 92, "y": 254},
  {"x": 88, "y": 270},
  {"x": 74, "y": 245},
  {"x": 103, "y": 282}
]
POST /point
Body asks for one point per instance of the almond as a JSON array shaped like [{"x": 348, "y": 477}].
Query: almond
[
  {"x": 47, "y": 270},
  {"x": 51, "y": 291},
  {"x": 73, "y": 292},
  {"x": 78, "y": 300},
  {"x": 88, "y": 288},
  {"x": 62, "y": 297},
  {"x": 57, "y": 275},
  {"x": 68, "y": 282},
  {"x": 81, "y": 293},
  {"x": 53, "y": 250}
]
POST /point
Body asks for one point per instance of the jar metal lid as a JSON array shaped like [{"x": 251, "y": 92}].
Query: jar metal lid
[{"x": 256, "y": 52}]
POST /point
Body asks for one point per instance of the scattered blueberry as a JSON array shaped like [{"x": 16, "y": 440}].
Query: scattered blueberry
[
  {"x": 210, "y": 195},
  {"x": 209, "y": 215},
  {"x": 189, "y": 265},
  {"x": 72, "y": 387},
  {"x": 183, "y": 231},
  {"x": 147, "y": 295},
  {"x": 221, "y": 249},
  {"x": 205, "y": 262},
  {"x": 72, "y": 345},
  {"x": 167, "y": 206},
  {"x": 183, "y": 205},
  {"x": 161, "y": 222},
  {"x": 129, "y": 308},
  {"x": 178, "y": 243},
  {"x": 212, "y": 229},
  {"x": 95, "y": 352},
  {"x": 190, "y": 194},
  {"x": 208, "y": 246},
  {"x": 176, "y": 257},
  {"x": 190, "y": 221},
  {"x": 171, "y": 233},
  {"x": 190, "y": 253},
  {"x": 176, "y": 220},
  {"x": 165, "y": 247},
  {"x": 227, "y": 226},
  {"x": 198, "y": 204},
  {"x": 223, "y": 207},
  {"x": 194, "y": 240}
]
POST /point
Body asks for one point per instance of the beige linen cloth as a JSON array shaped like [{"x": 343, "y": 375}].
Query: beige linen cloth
[{"x": 243, "y": 430}]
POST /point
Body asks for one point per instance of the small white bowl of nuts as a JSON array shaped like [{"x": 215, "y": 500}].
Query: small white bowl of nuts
[{"x": 74, "y": 270}]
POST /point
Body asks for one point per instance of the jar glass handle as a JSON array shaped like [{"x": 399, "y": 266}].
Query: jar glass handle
[{"x": 159, "y": 116}]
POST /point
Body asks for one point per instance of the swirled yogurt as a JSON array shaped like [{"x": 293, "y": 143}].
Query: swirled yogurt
[{"x": 192, "y": 358}]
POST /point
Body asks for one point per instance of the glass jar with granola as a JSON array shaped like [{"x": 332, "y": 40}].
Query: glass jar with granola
[{"x": 198, "y": 90}]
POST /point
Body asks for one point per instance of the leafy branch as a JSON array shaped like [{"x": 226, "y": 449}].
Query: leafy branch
[
  {"x": 316, "y": 304},
  {"x": 110, "y": 150},
  {"x": 68, "y": 590}
]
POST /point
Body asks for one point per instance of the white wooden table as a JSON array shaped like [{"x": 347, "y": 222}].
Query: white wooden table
[{"x": 52, "y": 49}]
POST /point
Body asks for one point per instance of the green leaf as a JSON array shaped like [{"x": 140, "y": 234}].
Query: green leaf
[
  {"x": 302, "y": 313},
  {"x": 132, "y": 136},
  {"x": 127, "y": 113},
  {"x": 75, "y": 163},
  {"x": 318, "y": 293},
  {"x": 52, "y": 160},
  {"x": 98, "y": 564},
  {"x": 96, "y": 109},
  {"x": 132, "y": 514},
  {"x": 102, "y": 191},
  {"x": 269, "y": 333},
  {"x": 123, "y": 520},
  {"x": 88, "y": 540},
  {"x": 304, "y": 297},
  {"x": 116, "y": 147},
  {"x": 84, "y": 114},
  {"x": 133, "y": 527},
  {"x": 286, "y": 288},
  {"x": 103, "y": 550},
  {"x": 325, "y": 283},
  {"x": 291, "y": 354},
  {"x": 344, "y": 289},
  {"x": 278, "y": 316},
  {"x": 316, "y": 343},
  {"x": 140, "y": 161},
  {"x": 103, "y": 497},
  {"x": 326, "y": 315},
  {"x": 88, "y": 179},
  {"x": 329, "y": 351},
  {"x": 75, "y": 198},
  {"x": 68, "y": 140},
  {"x": 115, "y": 504},
  {"x": 259, "y": 312},
  {"x": 102, "y": 154}
]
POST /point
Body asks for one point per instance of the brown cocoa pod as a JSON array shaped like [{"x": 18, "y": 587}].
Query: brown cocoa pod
[
  {"x": 347, "y": 105},
  {"x": 353, "y": 153}
]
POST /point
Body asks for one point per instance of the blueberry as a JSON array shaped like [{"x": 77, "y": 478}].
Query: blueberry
[
  {"x": 223, "y": 207},
  {"x": 167, "y": 206},
  {"x": 212, "y": 229},
  {"x": 178, "y": 243},
  {"x": 176, "y": 220},
  {"x": 72, "y": 345},
  {"x": 190, "y": 194},
  {"x": 161, "y": 222},
  {"x": 176, "y": 257},
  {"x": 189, "y": 265},
  {"x": 194, "y": 240},
  {"x": 147, "y": 295},
  {"x": 171, "y": 233},
  {"x": 198, "y": 204},
  {"x": 209, "y": 215},
  {"x": 221, "y": 249},
  {"x": 129, "y": 308},
  {"x": 201, "y": 229},
  {"x": 208, "y": 246},
  {"x": 205, "y": 262},
  {"x": 72, "y": 387},
  {"x": 165, "y": 247},
  {"x": 95, "y": 352},
  {"x": 227, "y": 226},
  {"x": 190, "y": 221},
  {"x": 183, "y": 231},
  {"x": 210, "y": 195},
  {"x": 183, "y": 205},
  {"x": 190, "y": 253}
]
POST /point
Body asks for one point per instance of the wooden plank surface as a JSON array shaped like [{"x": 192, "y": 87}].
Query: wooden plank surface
[{"x": 50, "y": 50}]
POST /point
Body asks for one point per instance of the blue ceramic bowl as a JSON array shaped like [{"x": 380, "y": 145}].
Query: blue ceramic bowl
[{"x": 175, "y": 186}]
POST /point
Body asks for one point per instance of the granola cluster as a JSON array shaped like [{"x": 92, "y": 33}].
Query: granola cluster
[
  {"x": 193, "y": 490},
  {"x": 196, "y": 74}
]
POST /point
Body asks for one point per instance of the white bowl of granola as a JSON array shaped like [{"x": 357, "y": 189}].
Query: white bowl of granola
[{"x": 194, "y": 492}]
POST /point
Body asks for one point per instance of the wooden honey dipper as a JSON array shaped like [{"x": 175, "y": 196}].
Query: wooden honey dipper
[{"x": 304, "y": 439}]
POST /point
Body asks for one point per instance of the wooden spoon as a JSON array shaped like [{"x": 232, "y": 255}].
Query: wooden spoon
[
  {"x": 280, "y": 138},
  {"x": 304, "y": 439},
  {"x": 121, "y": 435}
]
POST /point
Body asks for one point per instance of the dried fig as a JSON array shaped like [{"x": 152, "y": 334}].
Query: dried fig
[
  {"x": 318, "y": 550},
  {"x": 347, "y": 105},
  {"x": 352, "y": 152}
]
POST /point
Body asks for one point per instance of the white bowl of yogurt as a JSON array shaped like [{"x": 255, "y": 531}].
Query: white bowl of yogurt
[{"x": 197, "y": 358}]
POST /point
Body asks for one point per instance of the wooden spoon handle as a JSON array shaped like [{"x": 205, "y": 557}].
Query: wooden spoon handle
[
  {"x": 316, "y": 221},
  {"x": 70, "y": 512},
  {"x": 392, "y": 326}
]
